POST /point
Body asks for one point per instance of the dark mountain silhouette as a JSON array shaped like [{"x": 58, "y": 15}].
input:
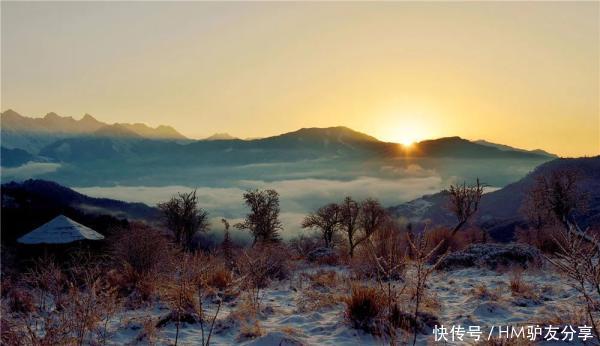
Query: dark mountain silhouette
[
  {"x": 36, "y": 191},
  {"x": 500, "y": 211},
  {"x": 31, "y": 203},
  {"x": 15, "y": 157},
  {"x": 509, "y": 148},
  {"x": 309, "y": 143},
  {"x": 459, "y": 147}
]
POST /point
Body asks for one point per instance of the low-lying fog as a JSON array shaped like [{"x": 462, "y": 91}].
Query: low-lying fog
[{"x": 297, "y": 196}]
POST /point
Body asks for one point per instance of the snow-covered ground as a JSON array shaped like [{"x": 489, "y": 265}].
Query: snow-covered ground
[{"x": 302, "y": 311}]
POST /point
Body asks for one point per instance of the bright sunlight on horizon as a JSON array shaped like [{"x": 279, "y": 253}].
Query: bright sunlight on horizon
[{"x": 520, "y": 73}]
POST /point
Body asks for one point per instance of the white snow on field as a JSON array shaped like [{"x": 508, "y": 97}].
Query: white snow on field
[{"x": 286, "y": 319}]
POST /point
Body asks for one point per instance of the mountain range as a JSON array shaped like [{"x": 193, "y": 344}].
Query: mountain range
[
  {"x": 32, "y": 134},
  {"x": 88, "y": 152}
]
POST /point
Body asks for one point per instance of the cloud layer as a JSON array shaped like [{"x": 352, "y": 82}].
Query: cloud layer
[{"x": 298, "y": 196}]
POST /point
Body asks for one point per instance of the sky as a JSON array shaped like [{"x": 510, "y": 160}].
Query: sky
[{"x": 524, "y": 74}]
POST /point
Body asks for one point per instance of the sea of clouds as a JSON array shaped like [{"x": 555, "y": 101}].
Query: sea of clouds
[{"x": 297, "y": 196}]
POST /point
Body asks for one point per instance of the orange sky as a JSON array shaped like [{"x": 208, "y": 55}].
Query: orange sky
[{"x": 520, "y": 73}]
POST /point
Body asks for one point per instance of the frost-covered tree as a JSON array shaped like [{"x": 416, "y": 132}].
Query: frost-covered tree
[
  {"x": 263, "y": 219},
  {"x": 327, "y": 220},
  {"x": 464, "y": 202},
  {"x": 184, "y": 217},
  {"x": 349, "y": 224}
]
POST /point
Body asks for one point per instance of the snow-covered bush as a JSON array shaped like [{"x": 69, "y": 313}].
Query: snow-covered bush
[{"x": 492, "y": 256}]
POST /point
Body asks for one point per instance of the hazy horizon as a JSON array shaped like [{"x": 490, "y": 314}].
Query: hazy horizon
[{"x": 521, "y": 74}]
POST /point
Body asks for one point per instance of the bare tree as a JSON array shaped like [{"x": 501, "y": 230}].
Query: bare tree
[
  {"x": 555, "y": 198},
  {"x": 184, "y": 217},
  {"x": 327, "y": 220},
  {"x": 464, "y": 202},
  {"x": 372, "y": 217},
  {"x": 579, "y": 260},
  {"x": 263, "y": 219},
  {"x": 422, "y": 271},
  {"x": 350, "y": 212}
]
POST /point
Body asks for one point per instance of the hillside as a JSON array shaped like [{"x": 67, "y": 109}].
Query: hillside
[
  {"x": 28, "y": 204},
  {"x": 500, "y": 210}
]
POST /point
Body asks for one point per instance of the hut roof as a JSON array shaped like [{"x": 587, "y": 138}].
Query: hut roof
[{"x": 60, "y": 230}]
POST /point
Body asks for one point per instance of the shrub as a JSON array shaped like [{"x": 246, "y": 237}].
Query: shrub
[
  {"x": 261, "y": 264},
  {"x": 543, "y": 239},
  {"x": 451, "y": 242},
  {"x": 20, "y": 300},
  {"x": 142, "y": 248},
  {"x": 363, "y": 307},
  {"x": 383, "y": 256},
  {"x": 492, "y": 256},
  {"x": 324, "y": 256},
  {"x": 142, "y": 254},
  {"x": 220, "y": 277}
]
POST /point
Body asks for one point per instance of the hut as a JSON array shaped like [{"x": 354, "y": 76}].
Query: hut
[{"x": 60, "y": 230}]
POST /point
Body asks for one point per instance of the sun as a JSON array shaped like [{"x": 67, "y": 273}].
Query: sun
[{"x": 407, "y": 141}]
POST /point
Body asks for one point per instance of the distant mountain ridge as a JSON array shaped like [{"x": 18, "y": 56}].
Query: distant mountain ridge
[
  {"x": 33, "y": 133},
  {"x": 507, "y": 147},
  {"x": 220, "y": 137},
  {"x": 125, "y": 154}
]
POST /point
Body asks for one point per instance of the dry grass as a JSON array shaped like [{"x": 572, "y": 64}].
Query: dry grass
[
  {"x": 518, "y": 286},
  {"x": 363, "y": 307},
  {"x": 149, "y": 334},
  {"x": 481, "y": 291},
  {"x": 245, "y": 310},
  {"x": 249, "y": 331},
  {"x": 220, "y": 277},
  {"x": 291, "y": 331},
  {"x": 311, "y": 300},
  {"x": 324, "y": 279},
  {"x": 70, "y": 306}
]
